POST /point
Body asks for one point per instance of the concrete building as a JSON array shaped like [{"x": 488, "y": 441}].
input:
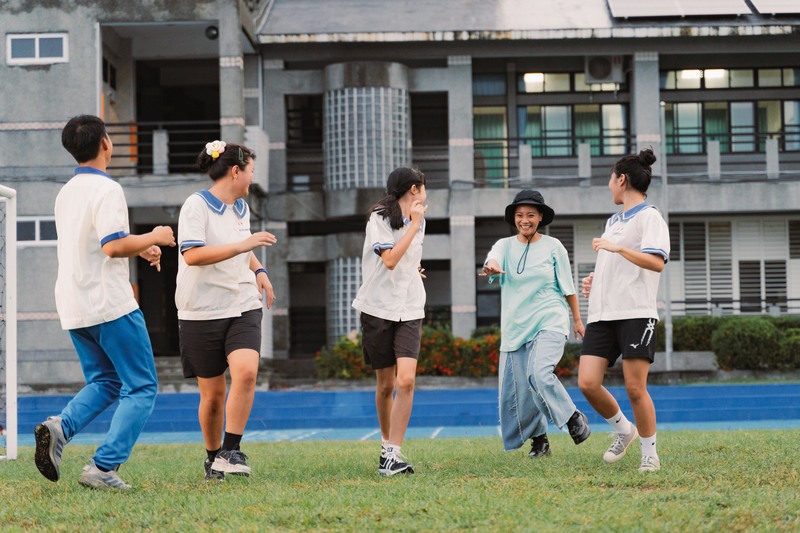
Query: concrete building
[{"x": 485, "y": 97}]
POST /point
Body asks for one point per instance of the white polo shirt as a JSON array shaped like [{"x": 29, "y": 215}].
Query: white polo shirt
[
  {"x": 396, "y": 295},
  {"x": 91, "y": 288},
  {"x": 225, "y": 289},
  {"x": 620, "y": 289}
]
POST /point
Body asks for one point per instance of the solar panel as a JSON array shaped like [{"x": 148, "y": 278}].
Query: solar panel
[
  {"x": 776, "y": 7},
  {"x": 680, "y": 8}
]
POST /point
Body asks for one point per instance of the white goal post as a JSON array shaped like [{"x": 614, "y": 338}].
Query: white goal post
[{"x": 8, "y": 321}]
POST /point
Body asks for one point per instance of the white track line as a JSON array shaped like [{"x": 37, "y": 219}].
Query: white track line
[
  {"x": 436, "y": 432},
  {"x": 370, "y": 435}
]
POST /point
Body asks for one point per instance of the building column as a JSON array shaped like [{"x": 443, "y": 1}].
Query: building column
[
  {"x": 646, "y": 101},
  {"x": 231, "y": 72},
  {"x": 367, "y": 134},
  {"x": 459, "y": 118}
]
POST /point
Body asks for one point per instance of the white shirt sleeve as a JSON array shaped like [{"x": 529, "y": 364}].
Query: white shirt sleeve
[
  {"x": 655, "y": 234},
  {"x": 497, "y": 253},
  {"x": 192, "y": 224},
  {"x": 379, "y": 233},
  {"x": 111, "y": 216}
]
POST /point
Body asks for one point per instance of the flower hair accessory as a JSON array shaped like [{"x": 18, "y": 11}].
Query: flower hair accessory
[{"x": 215, "y": 148}]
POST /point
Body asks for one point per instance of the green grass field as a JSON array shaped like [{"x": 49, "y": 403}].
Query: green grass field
[{"x": 710, "y": 481}]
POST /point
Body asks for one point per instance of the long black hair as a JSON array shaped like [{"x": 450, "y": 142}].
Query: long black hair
[
  {"x": 234, "y": 154},
  {"x": 637, "y": 168},
  {"x": 400, "y": 180}
]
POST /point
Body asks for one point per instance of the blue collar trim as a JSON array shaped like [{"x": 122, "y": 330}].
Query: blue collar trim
[
  {"x": 629, "y": 214},
  {"x": 218, "y": 206},
  {"x": 90, "y": 170}
]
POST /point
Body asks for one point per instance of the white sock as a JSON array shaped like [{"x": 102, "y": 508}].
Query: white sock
[
  {"x": 620, "y": 424},
  {"x": 649, "y": 446}
]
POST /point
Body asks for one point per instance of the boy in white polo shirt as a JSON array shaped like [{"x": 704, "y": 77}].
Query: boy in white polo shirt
[
  {"x": 96, "y": 305},
  {"x": 392, "y": 304}
]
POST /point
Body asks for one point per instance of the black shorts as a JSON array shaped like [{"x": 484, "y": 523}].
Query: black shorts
[
  {"x": 206, "y": 344},
  {"x": 383, "y": 341},
  {"x": 634, "y": 338}
]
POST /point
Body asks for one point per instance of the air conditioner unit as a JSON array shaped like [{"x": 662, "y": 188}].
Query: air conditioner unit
[{"x": 603, "y": 69}]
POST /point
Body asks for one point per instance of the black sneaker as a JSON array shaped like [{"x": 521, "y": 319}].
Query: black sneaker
[
  {"x": 393, "y": 462},
  {"x": 211, "y": 474},
  {"x": 540, "y": 446},
  {"x": 231, "y": 462},
  {"x": 578, "y": 427}
]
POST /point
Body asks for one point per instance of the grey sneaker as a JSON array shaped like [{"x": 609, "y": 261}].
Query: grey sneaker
[
  {"x": 95, "y": 478},
  {"x": 211, "y": 474},
  {"x": 619, "y": 447},
  {"x": 50, "y": 442},
  {"x": 231, "y": 462},
  {"x": 649, "y": 464}
]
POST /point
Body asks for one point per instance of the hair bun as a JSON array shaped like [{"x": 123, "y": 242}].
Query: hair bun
[
  {"x": 647, "y": 157},
  {"x": 203, "y": 161}
]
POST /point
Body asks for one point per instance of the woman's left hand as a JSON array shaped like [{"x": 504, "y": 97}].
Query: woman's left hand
[
  {"x": 578, "y": 329},
  {"x": 153, "y": 256},
  {"x": 265, "y": 287}
]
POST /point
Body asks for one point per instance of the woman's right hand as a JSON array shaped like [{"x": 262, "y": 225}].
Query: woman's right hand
[
  {"x": 586, "y": 285},
  {"x": 418, "y": 210},
  {"x": 261, "y": 238},
  {"x": 491, "y": 268},
  {"x": 164, "y": 235}
]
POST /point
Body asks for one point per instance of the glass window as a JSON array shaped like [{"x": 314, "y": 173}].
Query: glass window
[
  {"x": 587, "y": 127},
  {"x": 615, "y": 123},
  {"x": 769, "y": 77},
  {"x": 791, "y": 77},
  {"x": 741, "y": 78},
  {"x": 715, "y": 122},
  {"x": 26, "y": 230},
  {"x": 556, "y": 83},
  {"x": 716, "y": 78},
  {"x": 491, "y": 145},
  {"x": 791, "y": 122},
  {"x": 23, "y": 48},
  {"x": 47, "y": 230},
  {"x": 541, "y": 82},
  {"x": 684, "y": 128},
  {"x": 548, "y": 129},
  {"x": 51, "y": 47},
  {"x": 742, "y": 127},
  {"x": 489, "y": 84},
  {"x": 668, "y": 79},
  {"x": 688, "y": 79}
]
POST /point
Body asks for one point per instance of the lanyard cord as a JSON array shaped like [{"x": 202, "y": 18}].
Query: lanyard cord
[{"x": 524, "y": 258}]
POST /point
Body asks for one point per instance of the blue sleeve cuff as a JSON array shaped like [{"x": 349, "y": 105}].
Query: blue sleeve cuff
[
  {"x": 188, "y": 245},
  {"x": 113, "y": 237},
  {"x": 379, "y": 247}
]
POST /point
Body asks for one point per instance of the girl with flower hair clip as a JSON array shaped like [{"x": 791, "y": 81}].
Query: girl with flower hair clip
[{"x": 218, "y": 296}]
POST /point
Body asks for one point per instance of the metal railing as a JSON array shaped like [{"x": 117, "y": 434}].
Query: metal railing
[
  {"x": 740, "y": 142},
  {"x": 163, "y": 147},
  {"x": 729, "y": 306}
]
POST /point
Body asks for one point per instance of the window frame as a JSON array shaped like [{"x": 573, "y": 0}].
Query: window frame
[
  {"x": 37, "y": 59},
  {"x": 37, "y": 241}
]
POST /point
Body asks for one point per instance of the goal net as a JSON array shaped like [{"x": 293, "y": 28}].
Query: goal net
[{"x": 8, "y": 323}]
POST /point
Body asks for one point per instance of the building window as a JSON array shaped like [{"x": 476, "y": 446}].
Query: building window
[
  {"x": 109, "y": 74},
  {"x": 489, "y": 84},
  {"x": 557, "y": 130},
  {"x": 36, "y": 48},
  {"x": 560, "y": 82},
  {"x": 721, "y": 78},
  {"x": 36, "y": 231},
  {"x": 491, "y": 145},
  {"x": 737, "y": 126}
]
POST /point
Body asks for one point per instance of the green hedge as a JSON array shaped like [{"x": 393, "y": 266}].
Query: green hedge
[
  {"x": 441, "y": 354},
  {"x": 739, "y": 342}
]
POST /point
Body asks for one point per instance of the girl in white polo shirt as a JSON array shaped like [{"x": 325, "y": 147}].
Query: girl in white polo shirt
[
  {"x": 631, "y": 254},
  {"x": 392, "y": 304},
  {"x": 218, "y": 296}
]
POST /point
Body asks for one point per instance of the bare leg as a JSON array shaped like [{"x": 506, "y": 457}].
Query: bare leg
[
  {"x": 401, "y": 410},
  {"x": 644, "y": 412},
  {"x": 244, "y": 371},
  {"x": 591, "y": 371},
  {"x": 383, "y": 398},
  {"x": 211, "y": 413}
]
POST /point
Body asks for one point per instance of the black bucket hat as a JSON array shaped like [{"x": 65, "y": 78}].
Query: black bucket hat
[{"x": 534, "y": 198}]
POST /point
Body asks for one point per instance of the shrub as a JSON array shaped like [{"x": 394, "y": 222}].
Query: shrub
[
  {"x": 344, "y": 361},
  {"x": 746, "y": 343},
  {"x": 693, "y": 333},
  {"x": 789, "y": 349}
]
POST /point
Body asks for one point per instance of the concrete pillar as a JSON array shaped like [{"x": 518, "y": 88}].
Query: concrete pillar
[
  {"x": 714, "y": 161},
  {"x": 525, "y": 162},
  {"x": 585, "y": 164},
  {"x": 231, "y": 72},
  {"x": 275, "y": 123},
  {"x": 459, "y": 118},
  {"x": 462, "y": 264},
  {"x": 367, "y": 131},
  {"x": 160, "y": 152},
  {"x": 274, "y": 259},
  {"x": 773, "y": 164},
  {"x": 645, "y": 102}
]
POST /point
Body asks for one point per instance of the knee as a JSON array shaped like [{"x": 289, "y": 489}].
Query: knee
[
  {"x": 588, "y": 384},
  {"x": 405, "y": 383},
  {"x": 385, "y": 389},
  {"x": 636, "y": 392},
  {"x": 248, "y": 377}
]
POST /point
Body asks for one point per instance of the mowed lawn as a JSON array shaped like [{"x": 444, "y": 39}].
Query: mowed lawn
[{"x": 710, "y": 481}]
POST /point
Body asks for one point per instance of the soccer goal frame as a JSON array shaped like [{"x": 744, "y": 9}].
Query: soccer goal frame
[{"x": 9, "y": 308}]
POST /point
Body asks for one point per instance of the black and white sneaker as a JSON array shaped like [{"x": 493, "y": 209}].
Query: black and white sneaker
[
  {"x": 392, "y": 462},
  {"x": 578, "y": 427},
  {"x": 211, "y": 474},
  {"x": 231, "y": 462},
  {"x": 540, "y": 447}
]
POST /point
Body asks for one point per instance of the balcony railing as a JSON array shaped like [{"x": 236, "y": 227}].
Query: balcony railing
[{"x": 165, "y": 147}]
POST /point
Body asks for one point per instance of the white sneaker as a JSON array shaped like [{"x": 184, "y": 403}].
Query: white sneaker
[
  {"x": 650, "y": 464},
  {"x": 619, "y": 447}
]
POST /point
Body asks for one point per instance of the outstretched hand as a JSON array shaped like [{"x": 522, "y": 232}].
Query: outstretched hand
[{"x": 491, "y": 268}]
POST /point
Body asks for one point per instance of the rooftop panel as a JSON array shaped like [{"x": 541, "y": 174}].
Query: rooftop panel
[
  {"x": 777, "y": 7},
  {"x": 678, "y": 8}
]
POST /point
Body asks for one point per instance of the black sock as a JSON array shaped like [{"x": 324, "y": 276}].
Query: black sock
[
  {"x": 100, "y": 468},
  {"x": 231, "y": 441},
  {"x": 212, "y": 455}
]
